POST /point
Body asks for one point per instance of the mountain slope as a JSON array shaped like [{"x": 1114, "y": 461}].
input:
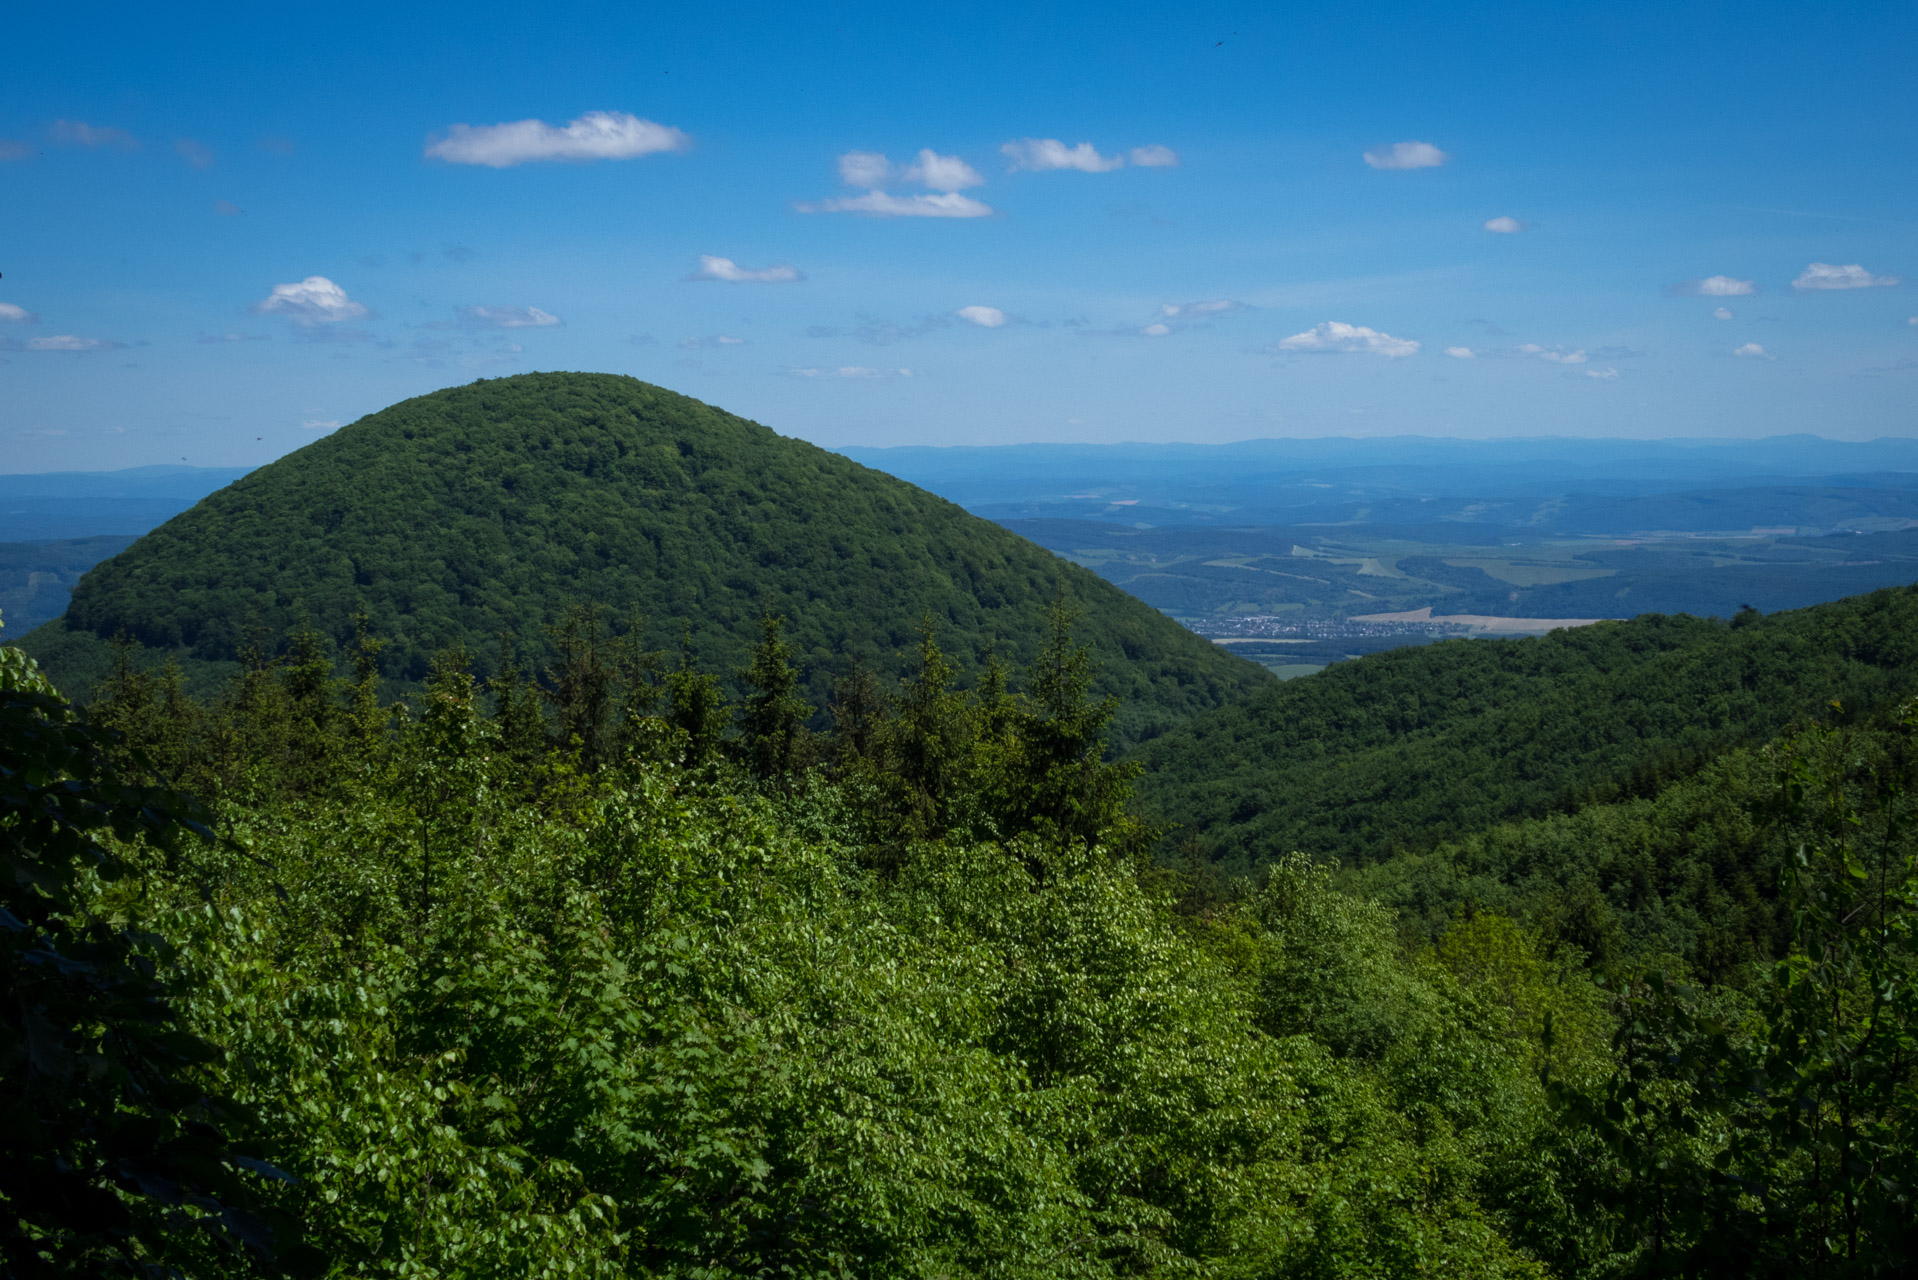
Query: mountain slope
[
  {"x": 1396, "y": 752},
  {"x": 450, "y": 516}
]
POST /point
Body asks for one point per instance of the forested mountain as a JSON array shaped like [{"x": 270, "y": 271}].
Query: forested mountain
[
  {"x": 456, "y": 516},
  {"x": 1399, "y": 751}
]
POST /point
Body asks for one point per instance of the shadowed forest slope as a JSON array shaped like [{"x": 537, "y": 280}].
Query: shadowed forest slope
[{"x": 1395, "y": 752}]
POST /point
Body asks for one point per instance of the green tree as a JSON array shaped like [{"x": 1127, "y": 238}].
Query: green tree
[
  {"x": 114, "y": 1158},
  {"x": 772, "y": 716}
]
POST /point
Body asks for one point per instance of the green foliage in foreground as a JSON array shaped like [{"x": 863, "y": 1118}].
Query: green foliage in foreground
[
  {"x": 671, "y": 998},
  {"x": 451, "y": 517},
  {"x": 1397, "y": 752},
  {"x": 115, "y": 1158}
]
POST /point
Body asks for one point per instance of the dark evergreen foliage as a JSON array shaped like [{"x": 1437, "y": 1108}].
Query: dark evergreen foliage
[{"x": 1396, "y": 752}]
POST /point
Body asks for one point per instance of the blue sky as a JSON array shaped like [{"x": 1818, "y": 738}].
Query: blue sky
[{"x": 223, "y": 231}]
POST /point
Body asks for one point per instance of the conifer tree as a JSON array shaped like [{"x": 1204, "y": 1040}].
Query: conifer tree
[
  {"x": 772, "y": 719},
  {"x": 696, "y": 706}
]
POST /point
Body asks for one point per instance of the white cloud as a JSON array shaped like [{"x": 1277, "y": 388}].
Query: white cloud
[
  {"x": 1156, "y": 330},
  {"x": 67, "y": 342},
  {"x": 597, "y": 135},
  {"x": 1041, "y": 154},
  {"x": 1715, "y": 287},
  {"x": 1721, "y": 313},
  {"x": 864, "y": 169},
  {"x": 1461, "y": 353},
  {"x": 1752, "y": 351},
  {"x": 1603, "y": 375},
  {"x": 1335, "y": 335},
  {"x": 877, "y": 204},
  {"x": 1556, "y": 355},
  {"x": 506, "y": 318},
  {"x": 12, "y": 314},
  {"x": 930, "y": 169},
  {"x": 210, "y": 339},
  {"x": 14, "y": 149},
  {"x": 1505, "y": 226},
  {"x": 1825, "y": 275},
  {"x": 942, "y": 173},
  {"x": 1154, "y": 157},
  {"x": 1912, "y": 320},
  {"x": 984, "y": 317},
  {"x": 711, "y": 268},
  {"x": 1195, "y": 310},
  {"x": 314, "y": 300},
  {"x": 1406, "y": 155},
  {"x": 320, "y": 424},
  {"x": 716, "y": 340},
  {"x": 853, "y": 371},
  {"x": 77, "y": 133},
  {"x": 194, "y": 153}
]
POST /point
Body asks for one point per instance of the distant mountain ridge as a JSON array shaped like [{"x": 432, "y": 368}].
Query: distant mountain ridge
[
  {"x": 1568, "y": 485},
  {"x": 449, "y": 517}
]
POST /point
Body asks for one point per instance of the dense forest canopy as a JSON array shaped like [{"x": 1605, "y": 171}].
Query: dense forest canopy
[
  {"x": 612, "y": 978},
  {"x": 1403, "y": 750},
  {"x": 456, "y": 516}
]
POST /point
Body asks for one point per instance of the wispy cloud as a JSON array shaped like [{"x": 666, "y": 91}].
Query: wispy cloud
[
  {"x": 313, "y": 301},
  {"x": 319, "y": 424},
  {"x": 194, "y": 153},
  {"x": 14, "y": 149},
  {"x": 1825, "y": 275},
  {"x": 1154, "y": 157},
  {"x": 1203, "y": 310},
  {"x": 11, "y": 313},
  {"x": 227, "y": 209},
  {"x": 879, "y": 332},
  {"x": 1553, "y": 355},
  {"x": 1715, "y": 287},
  {"x": 211, "y": 339},
  {"x": 854, "y": 372},
  {"x": 879, "y": 204},
  {"x": 597, "y": 135},
  {"x": 1039, "y": 155},
  {"x": 1752, "y": 351},
  {"x": 716, "y": 340},
  {"x": 1504, "y": 226},
  {"x": 865, "y": 169},
  {"x": 1721, "y": 313},
  {"x": 1175, "y": 316},
  {"x": 1337, "y": 336},
  {"x": 78, "y": 133},
  {"x": 482, "y": 317},
  {"x": 713, "y": 268},
  {"x": 62, "y": 342},
  {"x": 1603, "y": 375},
  {"x": 1461, "y": 353},
  {"x": 984, "y": 317},
  {"x": 1406, "y": 155}
]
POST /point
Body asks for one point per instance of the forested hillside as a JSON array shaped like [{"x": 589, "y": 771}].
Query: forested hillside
[
  {"x": 612, "y": 978},
  {"x": 458, "y": 516},
  {"x": 1399, "y": 751}
]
